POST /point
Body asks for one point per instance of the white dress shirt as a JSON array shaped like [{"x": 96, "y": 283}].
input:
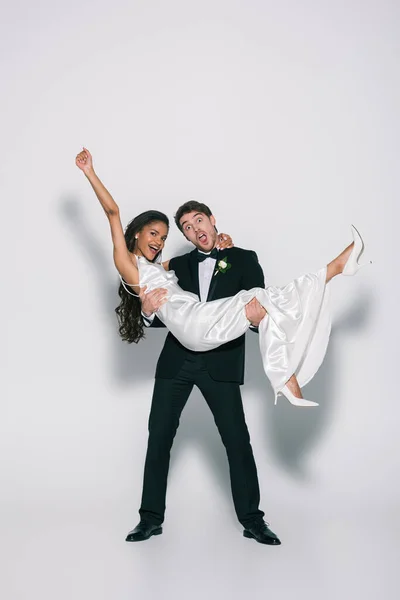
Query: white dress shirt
[{"x": 206, "y": 272}]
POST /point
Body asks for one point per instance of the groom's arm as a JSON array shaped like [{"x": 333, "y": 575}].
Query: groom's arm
[
  {"x": 253, "y": 276},
  {"x": 151, "y": 302},
  {"x": 152, "y": 321}
]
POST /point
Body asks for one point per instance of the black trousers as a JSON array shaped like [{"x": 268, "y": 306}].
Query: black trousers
[{"x": 225, "y": 402}]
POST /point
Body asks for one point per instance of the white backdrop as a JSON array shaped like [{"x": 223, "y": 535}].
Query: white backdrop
[{"x": 283, "y": 117}]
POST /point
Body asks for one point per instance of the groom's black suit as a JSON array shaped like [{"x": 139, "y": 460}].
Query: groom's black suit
[{"x": 218, "y": 374}]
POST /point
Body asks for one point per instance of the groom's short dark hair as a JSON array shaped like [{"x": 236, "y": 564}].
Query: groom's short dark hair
[{"x": 189, "y": 207}]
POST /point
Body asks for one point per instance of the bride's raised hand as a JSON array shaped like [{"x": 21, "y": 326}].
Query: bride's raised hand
[
  {"x": 84, "y": 160},
  {"x": 224, "y": 241}
]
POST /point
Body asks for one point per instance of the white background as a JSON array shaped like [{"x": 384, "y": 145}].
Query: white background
[{"x": 283, "y": 117}]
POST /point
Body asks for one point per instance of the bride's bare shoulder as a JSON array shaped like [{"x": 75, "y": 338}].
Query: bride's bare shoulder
[{"x": 165, "y": 264}]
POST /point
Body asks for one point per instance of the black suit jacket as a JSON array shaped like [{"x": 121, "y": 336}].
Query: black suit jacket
[{"x": 225, "y": 363}]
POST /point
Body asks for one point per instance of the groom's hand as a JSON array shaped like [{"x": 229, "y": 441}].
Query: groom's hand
[
  {"x": 152, "y": 301},
  {"x": 255, "y": 312}
]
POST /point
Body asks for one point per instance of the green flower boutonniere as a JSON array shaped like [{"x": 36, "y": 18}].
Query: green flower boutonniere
[{"x": 222, "y": 266}]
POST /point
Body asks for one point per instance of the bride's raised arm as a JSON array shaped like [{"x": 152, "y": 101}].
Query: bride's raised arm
[{"x": 123, "y": 259}]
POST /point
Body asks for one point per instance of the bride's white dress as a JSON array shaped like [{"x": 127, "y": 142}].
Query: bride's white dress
[{"x": 293, "y": 336}]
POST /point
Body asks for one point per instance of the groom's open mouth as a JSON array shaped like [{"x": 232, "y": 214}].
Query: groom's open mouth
[{"x": 202, "y": 238}]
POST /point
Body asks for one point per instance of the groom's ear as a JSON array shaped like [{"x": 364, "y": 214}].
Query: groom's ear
[
  {"x": 184, "y": 235},
  {"x": 213, "y": 221}
]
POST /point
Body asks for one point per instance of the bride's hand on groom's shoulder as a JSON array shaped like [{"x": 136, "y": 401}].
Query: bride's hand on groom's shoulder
[
  {"x": 224, "y": 241},
  {"x": 152, "y": 301}
]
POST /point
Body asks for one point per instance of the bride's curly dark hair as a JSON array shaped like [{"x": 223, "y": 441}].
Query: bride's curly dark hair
[{"x": 129, "y": 310}]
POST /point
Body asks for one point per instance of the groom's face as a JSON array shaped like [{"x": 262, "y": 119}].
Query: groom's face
[{"x": 200, "y": 230}]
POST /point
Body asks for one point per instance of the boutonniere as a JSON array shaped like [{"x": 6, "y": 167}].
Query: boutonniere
[{"x": 222, "y": 266}]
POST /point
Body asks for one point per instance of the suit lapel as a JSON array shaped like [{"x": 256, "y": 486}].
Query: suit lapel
[
  {"x": 214, "y": 280},
  {"x": 194, "y": 272}
]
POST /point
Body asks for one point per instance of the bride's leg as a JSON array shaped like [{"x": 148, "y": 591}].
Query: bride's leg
[
  {"x": 336, "y": 266},
  {"x": 294, "y": 387}
]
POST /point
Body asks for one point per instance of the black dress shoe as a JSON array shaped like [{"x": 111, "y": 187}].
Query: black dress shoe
[
  {"x": 143, "y": 531},
  {"x": 259, "y": 531}
]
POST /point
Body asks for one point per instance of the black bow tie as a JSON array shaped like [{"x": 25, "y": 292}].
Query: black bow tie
[{"x": 201, "y": 256}]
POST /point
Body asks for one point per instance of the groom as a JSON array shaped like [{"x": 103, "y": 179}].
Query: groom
[{"x": 217, "y": 373}]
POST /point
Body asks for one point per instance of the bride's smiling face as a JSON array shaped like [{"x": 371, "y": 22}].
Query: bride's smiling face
[
  {"x": 151, "y": 239},
  {"x": 200, "y": 230}
]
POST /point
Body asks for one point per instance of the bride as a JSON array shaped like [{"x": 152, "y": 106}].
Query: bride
[{"x": 293, "y": 335}]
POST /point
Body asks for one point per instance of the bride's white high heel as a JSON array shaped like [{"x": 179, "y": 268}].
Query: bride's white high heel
[
  {"x": 352, "y": 266},
  {"x": 293, "y": 399}
]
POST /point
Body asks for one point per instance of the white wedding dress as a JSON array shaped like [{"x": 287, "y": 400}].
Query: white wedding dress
[{"x": 293, "y": 335}]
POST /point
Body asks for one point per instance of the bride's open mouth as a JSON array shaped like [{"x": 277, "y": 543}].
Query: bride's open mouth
[{"x": 154, "y": 250}]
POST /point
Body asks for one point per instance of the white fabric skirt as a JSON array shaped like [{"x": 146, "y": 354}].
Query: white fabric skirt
[{"x": 293, "y": 336}]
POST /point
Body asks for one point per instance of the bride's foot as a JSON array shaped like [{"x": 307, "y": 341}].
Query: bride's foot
[
  {"x": 294, "y": 387},
  {"x": 347, "y": 262},
  {"x": 292, "y": 392},
  {"x": 352, "y": 265}
]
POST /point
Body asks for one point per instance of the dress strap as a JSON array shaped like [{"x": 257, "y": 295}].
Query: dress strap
[{"x": 124, "y": 284}]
